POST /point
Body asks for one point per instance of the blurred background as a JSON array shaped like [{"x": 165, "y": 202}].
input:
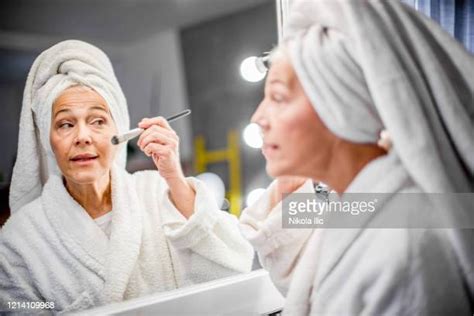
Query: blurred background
[{"x": 168, "y": 55}]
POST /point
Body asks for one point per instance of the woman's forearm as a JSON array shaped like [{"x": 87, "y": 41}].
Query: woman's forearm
[{"x": 182, "y": 196}]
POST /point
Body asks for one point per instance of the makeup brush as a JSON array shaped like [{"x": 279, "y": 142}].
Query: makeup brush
[{"x": 117, "y": 139}]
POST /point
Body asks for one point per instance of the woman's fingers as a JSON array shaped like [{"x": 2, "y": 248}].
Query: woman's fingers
[
  {"x": 288, "y": 184},
  {"x": 159, "y": 120},
  {"x": 158, "y": 134},
  {"x": 161, "y": 142},
  {"x": 159, "y": 150}
]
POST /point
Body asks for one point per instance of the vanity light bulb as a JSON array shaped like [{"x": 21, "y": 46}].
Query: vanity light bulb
[
  {"x": 250, "y": 71},
  {"x": 253, "y": 136}
]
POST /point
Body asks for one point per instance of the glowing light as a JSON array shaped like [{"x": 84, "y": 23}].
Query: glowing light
[
  {"x": 249, "y": 70},
  {"x": 215, "y": 185},
  {"x": 253, "y": 136}
]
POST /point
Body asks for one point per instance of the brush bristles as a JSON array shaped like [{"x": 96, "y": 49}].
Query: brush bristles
[{"x": 115, "y": 140}]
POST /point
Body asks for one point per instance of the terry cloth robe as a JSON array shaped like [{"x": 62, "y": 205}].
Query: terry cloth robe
[
  {"x": 359, "y": 271},
  {"x": 51, "y": 250}
]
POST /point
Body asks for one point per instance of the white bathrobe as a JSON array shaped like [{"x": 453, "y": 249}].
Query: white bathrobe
[
  {"x": 360, "y": 271},
  {"x": 51, "y": 250}
]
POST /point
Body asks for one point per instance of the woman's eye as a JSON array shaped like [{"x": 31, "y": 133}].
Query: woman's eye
[
  {"x": 98, "y": 122},
  {"x": 65, "y": 125}
]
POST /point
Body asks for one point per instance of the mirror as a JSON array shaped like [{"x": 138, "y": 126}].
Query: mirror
[{"x": 168, "y": 56}]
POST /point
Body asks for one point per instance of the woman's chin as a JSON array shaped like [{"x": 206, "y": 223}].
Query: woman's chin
[
  {"x": 273, "y": 170},
  {"x": 84, "y": 177},
  {"x": 276, "y": 170}
]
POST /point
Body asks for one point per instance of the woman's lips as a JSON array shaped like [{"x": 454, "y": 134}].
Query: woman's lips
[
  {"x": 83, "y": 160},
  {"x": 269, "y": 150}
]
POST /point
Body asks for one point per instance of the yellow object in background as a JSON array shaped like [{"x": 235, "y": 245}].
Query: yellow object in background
[{"x": 231, "y": 155}]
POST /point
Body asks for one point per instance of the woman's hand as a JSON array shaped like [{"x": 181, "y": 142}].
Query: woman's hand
[
  {"x": 161, "y": 142},
  {"x": 284, "y": 185}
]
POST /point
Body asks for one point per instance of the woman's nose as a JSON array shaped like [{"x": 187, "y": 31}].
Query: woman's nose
[
  {"x": 83, "y": 136},
  {"x": 259, "y": 116}
]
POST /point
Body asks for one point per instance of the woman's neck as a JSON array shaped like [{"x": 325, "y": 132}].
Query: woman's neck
[
  {"x": 95, "y": 198},
  {"x": 348, "y": 161}
]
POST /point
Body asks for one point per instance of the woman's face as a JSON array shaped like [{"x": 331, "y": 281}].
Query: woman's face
[
  {"x": 81, "y": 129},
  {"x": 296, "y": 142}
]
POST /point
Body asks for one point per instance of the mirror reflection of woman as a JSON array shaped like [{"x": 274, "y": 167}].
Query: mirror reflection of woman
[
  {"x": 367, "y": 97},
  {"x": 83, "y": 231}
]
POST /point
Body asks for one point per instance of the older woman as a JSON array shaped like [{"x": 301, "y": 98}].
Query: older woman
[
  {"x": 347, "y": 71},
  {"x": 84, "y": 232}
]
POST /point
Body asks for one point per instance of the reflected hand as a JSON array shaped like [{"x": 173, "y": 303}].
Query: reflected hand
[
  {"x": 285, "y": 184},
  {"x": 161, "y": 142}
]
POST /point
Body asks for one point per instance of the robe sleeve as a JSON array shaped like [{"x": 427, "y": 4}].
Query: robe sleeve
[
  {"x": 209, "y": 244},
  {"x": 278, "y": 249}
]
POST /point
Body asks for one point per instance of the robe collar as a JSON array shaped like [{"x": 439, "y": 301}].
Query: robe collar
[
  {"x": 113, "y": 260},
  {"x": 382, "y": 175}
]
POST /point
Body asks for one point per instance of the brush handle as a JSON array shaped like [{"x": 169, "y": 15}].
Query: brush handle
[{"x": 137, "y": 131}]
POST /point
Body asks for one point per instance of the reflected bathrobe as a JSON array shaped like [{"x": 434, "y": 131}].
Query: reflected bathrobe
[
  {"x": 51, "y": 250},
  {"x": 360, "y": 271}
]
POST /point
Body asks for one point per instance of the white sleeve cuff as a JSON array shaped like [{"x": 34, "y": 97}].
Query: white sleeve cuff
[
  {"x": 182, "y": 232},
  {"x": 264, "y": 228}
]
